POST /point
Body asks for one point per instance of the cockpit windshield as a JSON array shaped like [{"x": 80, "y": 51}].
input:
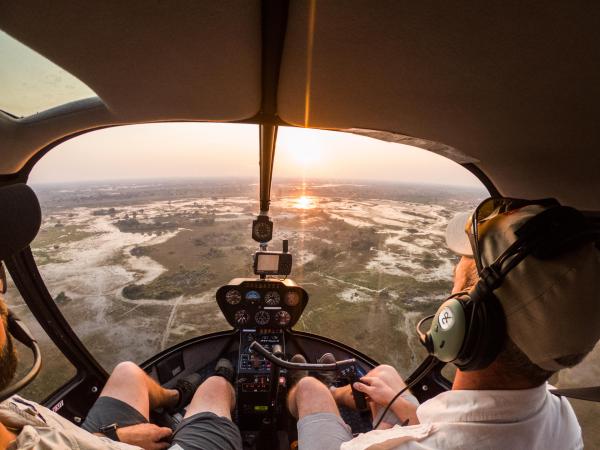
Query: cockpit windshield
[{"x": 143, "y": 223}]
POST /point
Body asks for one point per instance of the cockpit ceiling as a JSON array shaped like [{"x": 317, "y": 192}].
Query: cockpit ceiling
[
  {"x": 510, "y": 85},
  {"x": 152, "y": 60},
  {"x": 513, "y": 85}
]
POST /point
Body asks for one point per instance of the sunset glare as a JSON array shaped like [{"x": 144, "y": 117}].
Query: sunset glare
[{"x": 305, "y": 202}]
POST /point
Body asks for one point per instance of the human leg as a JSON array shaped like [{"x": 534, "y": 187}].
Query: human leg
[
  {"x": 310, "y": 396},
  {"x": 130, "y": 384},
  {"x": 215, "y": 395},
  {"x": 319, "y": 423},
  {"x": 207, "y": 423},
  {"x": 127, "y": 398}
]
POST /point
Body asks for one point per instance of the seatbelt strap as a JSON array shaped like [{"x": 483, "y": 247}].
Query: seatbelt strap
[{"x": 591, "y": 394}]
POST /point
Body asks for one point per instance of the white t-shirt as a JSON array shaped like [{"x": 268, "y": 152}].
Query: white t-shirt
[{"x": 528, "y": 419}]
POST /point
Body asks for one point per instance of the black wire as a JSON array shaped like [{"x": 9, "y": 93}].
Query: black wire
[{"x": 413, "y": 383}]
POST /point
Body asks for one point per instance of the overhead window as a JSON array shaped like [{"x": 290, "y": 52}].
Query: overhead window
[{"x": 30, "y": 83}]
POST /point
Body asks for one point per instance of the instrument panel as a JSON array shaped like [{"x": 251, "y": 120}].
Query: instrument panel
[{"x": 252, "y": 303}]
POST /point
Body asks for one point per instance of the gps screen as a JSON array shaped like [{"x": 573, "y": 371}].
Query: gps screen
[{"x": 267, "y": 263}]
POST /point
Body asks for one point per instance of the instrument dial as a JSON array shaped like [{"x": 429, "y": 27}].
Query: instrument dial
[
  {"x": 282, "y": 318},
  {"x": 262, "y": 317},
  {"x": 252, "y": 296},
  {"x": 242, "y": 317},
  {"x": 233, "y": 297},
  {"x": 272, "y": 298},
  {"x": 292, "y": 298},
  {"x": 262, "y": 229}
]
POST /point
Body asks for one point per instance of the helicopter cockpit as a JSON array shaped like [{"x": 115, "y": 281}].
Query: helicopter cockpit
[
  {"x": 467, "y": 85},
  {"x": 262, "y": 312}
]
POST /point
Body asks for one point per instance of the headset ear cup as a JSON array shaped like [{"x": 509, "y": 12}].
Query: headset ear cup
[
  {"x": 486, "y": 337},
  {"x": 447, "y": 333}
]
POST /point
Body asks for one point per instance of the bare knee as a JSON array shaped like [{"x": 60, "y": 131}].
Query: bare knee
[
  {"x": 311, "y": 396},
  {"x": 215, "y": 395},
  {"x": 127, "y": 382},
  {"x": 216, "y": 383},
  {"x": 389, "y": 375},
  {"x": 127, "y": 370},
  {"x": 310, "y": 386}
]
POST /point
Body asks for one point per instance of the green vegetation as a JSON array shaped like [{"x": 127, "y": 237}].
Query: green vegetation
[
  {"x": 172, "y": 284},
  {"x": 62, "y": 299},
  {"x": 48, "y": 245},
  {"x": 131, "y": 225}
]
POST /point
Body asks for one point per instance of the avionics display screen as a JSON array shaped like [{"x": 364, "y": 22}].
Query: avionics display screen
[{"x": 267, "y": 263}]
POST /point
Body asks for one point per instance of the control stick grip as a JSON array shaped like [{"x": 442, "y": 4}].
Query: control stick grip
[{"x": 359, "y": 397}]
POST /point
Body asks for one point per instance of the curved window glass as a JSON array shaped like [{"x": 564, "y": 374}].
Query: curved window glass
[
  {"x": 146, "y": 223},
  {"x": 143, "y": 223},
  {"x": 30, "y": 83},
  {"x": 366, "y": 220}
]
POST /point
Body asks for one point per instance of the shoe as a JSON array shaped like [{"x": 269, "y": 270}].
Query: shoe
[
  {"x": 224, "y": 369},
  {"x": 186, "y": 387},
  {"x": 295, "y": 375},
  {"x": 327, "y": 377}
]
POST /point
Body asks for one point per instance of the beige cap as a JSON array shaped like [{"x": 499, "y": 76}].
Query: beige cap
[{"x": 552, "y": 306}]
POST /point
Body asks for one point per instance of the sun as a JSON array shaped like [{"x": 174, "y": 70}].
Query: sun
[{"x": 305, "y": 202}]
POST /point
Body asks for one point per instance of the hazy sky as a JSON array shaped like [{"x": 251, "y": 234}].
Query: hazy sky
[
  {"x": 30, "y": 83},
  {"x": 206, "y": 149}
]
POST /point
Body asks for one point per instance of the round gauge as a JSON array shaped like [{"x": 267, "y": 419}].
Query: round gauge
[
  {"x": 262, "y": 317},
  {"x": 282, "y": 318},
  {"x": 292, "y": 298},
  {"x": 233, "y": 297},
  {"x": 272, "y": 298},
  {"x": 242, "y": 317},
  {"x": 263, "y": 231},
  {"x": 252, "y": 296}
]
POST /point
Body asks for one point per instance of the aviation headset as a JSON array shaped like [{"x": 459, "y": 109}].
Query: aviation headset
[
  {"x": 20, "y": 223},
  {"x": 469, "y": 328}
]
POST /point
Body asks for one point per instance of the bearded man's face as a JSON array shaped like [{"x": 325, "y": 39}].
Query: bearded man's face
[{"x": 8, "y": 355}]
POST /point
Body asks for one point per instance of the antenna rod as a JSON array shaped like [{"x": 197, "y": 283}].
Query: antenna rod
[{"x": 268, "y": 138}]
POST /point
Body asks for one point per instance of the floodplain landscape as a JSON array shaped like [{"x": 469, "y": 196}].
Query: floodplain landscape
[{"x": 134, "y": 266}]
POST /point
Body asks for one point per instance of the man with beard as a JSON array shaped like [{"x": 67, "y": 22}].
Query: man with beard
[{"x": 119, "y": 420}]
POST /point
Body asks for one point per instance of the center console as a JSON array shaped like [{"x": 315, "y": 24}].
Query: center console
[{"x": 258, "y": 381}]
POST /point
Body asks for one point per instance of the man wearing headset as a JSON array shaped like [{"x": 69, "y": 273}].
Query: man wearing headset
[
  {"x": 552, "y": 320},
  {"x": 119, "y": 418}
]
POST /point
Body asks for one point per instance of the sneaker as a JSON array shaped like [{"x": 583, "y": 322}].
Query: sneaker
[
  {"x": 186, "y": 387},
  {"x": 224, "y": 369},
  {"x": 295, "y": 375},
  {"x": 327, "y": 377}
]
